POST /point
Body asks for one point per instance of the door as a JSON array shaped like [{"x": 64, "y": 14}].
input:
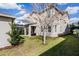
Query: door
[
  {"x": 4, "y": 28},
  {"x": 33, "y": 30}
]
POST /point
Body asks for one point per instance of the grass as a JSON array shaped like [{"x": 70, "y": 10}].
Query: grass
[
  {"x": 69, "y": 47},
  {"x": 32, "y": 46}
]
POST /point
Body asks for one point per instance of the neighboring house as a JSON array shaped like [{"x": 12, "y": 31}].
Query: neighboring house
[
  {"x": 4, "y": 28},
  {"x": 26, "y": 25},
  {"x": 57, "y": 27}
]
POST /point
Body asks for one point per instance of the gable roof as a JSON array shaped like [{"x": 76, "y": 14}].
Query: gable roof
[
  {"x": 53, "y": 6},
  {"x": 8, "y": 16}
]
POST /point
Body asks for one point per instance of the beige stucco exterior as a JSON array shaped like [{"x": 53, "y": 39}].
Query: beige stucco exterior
[
  {"x": 4, "y": 28},
  {"x": 58, "y": 21},
  {"x": 58, "y": 26}
]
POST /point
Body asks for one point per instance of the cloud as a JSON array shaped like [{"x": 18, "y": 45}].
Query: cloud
[
  {"x": 22, "y": 17},
  {"x": 21, "y": 12},
  {"x": 62, "y": 3},
  {"x": 9, "y": 6},
  {"x": 72, "y": 10},
  {"x": 19, "y": 7},
  {"x": 75, "y": 19}
]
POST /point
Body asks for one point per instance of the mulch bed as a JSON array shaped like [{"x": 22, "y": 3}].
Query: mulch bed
[{"x": 8, "y": 47}]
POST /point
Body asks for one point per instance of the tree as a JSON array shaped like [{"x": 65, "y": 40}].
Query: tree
[
  {"x": 15, "y": 35},
  {"x": 78, "y": 22},
  {"x": 44, "y": 20}
]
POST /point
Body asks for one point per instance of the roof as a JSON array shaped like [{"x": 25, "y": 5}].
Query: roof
[
  {"x": 62, "y": 12},
  {"x": 53, "y": 6},
  {"x": 8, "y": 16}
]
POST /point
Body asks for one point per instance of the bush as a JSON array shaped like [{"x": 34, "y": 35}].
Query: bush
[
  {"x": 15, "y": 35},
  {"x": 76, "y": 32},
  {"x": 73, "y": 27}
]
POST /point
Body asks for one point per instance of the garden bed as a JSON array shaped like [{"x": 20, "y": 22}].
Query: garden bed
[{"x": 31, "y": 46}]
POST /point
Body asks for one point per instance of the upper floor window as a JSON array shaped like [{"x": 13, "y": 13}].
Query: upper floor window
[
  {"x": 49, "y": 13},
  {"x": 53, "y": 11}
]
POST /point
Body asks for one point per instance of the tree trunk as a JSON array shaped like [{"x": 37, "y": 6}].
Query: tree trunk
[{"x": 44, "y": 37}]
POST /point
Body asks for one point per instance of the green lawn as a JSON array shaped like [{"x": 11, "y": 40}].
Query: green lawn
[
  {"x": 32, "y": 46},
  {"x": 69, "y": 47}
]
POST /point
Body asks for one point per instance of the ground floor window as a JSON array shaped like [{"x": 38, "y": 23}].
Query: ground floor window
[
  {"x": 41, "y": 29},
  {"x": 49, "y": 28},
  {"x": 60, "y": 28},
  {"x": 55, "y": 28},
  {"x": 21, "y": 30},
  {"x": 26, "y": 30}
]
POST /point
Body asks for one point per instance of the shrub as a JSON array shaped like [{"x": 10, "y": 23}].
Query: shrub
[
  {"x": 76, "y": 32},
  {"x": 14, "y": 34},
  {"x": 73, "y": 27}
]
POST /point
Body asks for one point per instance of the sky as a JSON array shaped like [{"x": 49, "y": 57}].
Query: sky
[{"x": 20, "y": 10}]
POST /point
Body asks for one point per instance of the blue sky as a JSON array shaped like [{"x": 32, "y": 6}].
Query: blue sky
[{"x": 21, "y": 9}]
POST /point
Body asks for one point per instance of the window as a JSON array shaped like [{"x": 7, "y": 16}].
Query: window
[
  {"x": 53, "y": 11},
  {"x": 55, "y": 28},
  {"x": 60, "y": 28},
  {"x": 41, "y": 29},
  {"x": 48, "y": 13},
  {"x": 49, "y": 28}
]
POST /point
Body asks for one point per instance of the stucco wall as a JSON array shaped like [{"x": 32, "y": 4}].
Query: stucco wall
[
  {"x": 61, "y": 24},
  {"x": 4, "y": 28}
]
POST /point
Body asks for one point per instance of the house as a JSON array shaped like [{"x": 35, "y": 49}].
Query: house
[
  {"x": 4, "y": 28},
  {"x": 59, "y": 26},
  {"x": 25, "y": 25}
]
